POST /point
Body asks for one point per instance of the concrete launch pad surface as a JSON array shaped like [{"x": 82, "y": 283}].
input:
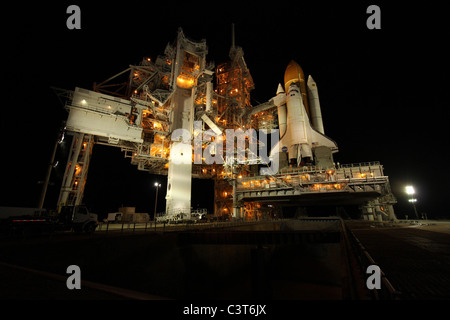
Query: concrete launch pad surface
[
  {"x": 414, "y": 256},
  {"x": 291, "y": 262},
  {"x": 295, "y": 260},
  {"x": 19, "y": 284}
]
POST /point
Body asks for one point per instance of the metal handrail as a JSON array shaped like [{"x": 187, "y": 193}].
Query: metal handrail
[
  {"x": 360, "y": 164},
  {"x": 387, "y": 291}
]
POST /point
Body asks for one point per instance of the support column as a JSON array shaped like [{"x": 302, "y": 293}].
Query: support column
[
  {"x": 75, "y": 175},
  {"x": 209, "y": 89},
  {"x": 179, "y": 178},
  {"x": 236, "y": 210}
]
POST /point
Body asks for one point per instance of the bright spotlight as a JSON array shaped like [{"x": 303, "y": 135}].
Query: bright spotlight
[{"x": 410, "y": 190}]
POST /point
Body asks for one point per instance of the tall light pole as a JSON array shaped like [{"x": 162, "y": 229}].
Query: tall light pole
[
  {"x": 50, "y": 166},
  {"x": 410, "y": 191},
  {"x": 157, "y": 185}
]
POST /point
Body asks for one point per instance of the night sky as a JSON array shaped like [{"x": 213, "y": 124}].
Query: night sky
[{"x": 383, "y": 93}]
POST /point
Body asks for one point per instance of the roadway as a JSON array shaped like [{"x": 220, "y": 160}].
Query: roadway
[
  {"x": 22, "y": 283},
  {"x": 415, "y": 256},
  {"x": 172, "y": 264}
]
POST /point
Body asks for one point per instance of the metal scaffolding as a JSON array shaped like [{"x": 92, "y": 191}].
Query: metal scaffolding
[{"x": 139, "y": 108}]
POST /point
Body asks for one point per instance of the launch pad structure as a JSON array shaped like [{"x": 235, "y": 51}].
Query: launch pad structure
[{"x": 151, "y": 111}]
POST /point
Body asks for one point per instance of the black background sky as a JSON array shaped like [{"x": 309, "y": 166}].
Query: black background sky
[{"x": 383, "y": 93}]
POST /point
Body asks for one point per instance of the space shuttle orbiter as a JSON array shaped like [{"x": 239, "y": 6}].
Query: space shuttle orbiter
[{"x": 300, "y": 120}]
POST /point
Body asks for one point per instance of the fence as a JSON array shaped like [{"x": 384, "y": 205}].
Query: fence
[
  {"x": 149, "y": 226},
  {"x": 387, "y": 291}
]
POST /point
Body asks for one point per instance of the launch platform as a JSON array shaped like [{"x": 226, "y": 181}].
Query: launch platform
[{"x": 172, "y": 116}]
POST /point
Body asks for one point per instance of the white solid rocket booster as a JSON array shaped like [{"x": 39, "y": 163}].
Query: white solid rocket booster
[
  {"x": 281, "y": 96},
  {"x": 316, "y": 113}
]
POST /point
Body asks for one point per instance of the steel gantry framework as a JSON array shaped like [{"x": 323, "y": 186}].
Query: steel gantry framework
[{"x": 140, "y": 108}]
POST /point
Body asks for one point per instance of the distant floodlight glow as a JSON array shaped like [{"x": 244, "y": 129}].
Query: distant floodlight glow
[
  {"x": 156, "y": 184},
  {"x": 410, "y": 190},
  {"x": 412, "y": 200}
]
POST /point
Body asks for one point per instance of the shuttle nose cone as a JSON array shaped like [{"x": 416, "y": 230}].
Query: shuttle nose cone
[
  {"x": 311, "y": 82},
  {"x": 293, "y": 73},
  {"x": 280, "y": 89}
]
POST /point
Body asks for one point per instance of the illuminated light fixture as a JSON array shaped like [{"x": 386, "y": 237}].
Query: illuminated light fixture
[
  {"x": 185, "y": 81},
  {"x": 410, "y": 190},
  {"x": 83, "y": 101},
  {"x": 61, "y": 139}
]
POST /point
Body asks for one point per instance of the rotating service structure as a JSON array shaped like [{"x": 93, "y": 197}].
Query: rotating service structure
[{"x": 163, "y": 110}]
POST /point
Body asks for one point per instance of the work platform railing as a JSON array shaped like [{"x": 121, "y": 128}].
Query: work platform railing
[
  {"x": 360, "y": 164},
  {"x": 181, "y": 215},
  {"x": 364, "y": 260},
  {"x": 366, "y": 176},
  {"x": 164, "y": 226}
]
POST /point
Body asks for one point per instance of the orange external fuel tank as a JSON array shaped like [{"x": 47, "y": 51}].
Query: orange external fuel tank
[{"x": 294, "y": 73}]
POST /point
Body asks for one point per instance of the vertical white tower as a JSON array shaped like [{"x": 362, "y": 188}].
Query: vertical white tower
[
  {"x": 189, "y": 66},
  {"x": 178, "y": 198}
]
